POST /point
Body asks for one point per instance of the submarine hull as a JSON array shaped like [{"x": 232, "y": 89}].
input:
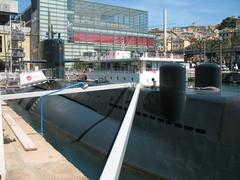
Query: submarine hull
[{"x": 203, "y": 144}]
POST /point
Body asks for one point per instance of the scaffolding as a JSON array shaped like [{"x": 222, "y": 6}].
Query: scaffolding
[{"x": 15, "y": 44}]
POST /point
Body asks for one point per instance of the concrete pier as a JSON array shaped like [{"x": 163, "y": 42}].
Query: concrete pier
[{"x": 42, "y": 162}]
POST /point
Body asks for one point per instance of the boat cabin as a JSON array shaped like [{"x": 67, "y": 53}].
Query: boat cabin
[{"x": 134, "y": 69}]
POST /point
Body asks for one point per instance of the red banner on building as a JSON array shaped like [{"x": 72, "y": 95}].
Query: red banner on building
[{"x": 113, "y": 39}]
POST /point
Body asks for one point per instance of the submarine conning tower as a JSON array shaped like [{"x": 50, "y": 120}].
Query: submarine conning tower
[{"x": 52, "y": 50}]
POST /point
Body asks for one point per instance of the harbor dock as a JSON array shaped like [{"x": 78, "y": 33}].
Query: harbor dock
[{"x": 29, "y": 156}]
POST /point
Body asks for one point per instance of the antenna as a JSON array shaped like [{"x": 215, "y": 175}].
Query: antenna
[
  {"x": 165, "y": 31},
  {"x": 50, "y": 32},
  {"x": 49, "y": 25}
]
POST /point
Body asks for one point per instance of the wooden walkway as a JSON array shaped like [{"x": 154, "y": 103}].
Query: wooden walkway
[{"x": 39, "y": 162}]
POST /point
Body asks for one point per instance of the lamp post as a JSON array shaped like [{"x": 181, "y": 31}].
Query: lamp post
[
  {"x": 200, "y": 48},
  {"x": 204, "y": 50},
  {"x": 220, "y": 52},
  {"x": 220, "y": 59}
]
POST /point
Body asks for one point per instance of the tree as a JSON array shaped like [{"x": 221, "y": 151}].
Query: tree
[{"x": 229, "y": 22}]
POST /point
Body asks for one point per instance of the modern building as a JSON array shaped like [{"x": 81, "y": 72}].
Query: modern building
[{"x": 89, "y": 27}]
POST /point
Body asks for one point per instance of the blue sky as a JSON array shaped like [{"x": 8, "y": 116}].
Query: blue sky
[{"x": 180, "y": 12}]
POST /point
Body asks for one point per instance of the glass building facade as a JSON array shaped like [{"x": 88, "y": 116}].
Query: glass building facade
[{"x": 92, "y": 27}]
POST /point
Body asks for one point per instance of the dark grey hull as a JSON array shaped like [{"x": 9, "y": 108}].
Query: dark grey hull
[{"x": 203, "y": 144}]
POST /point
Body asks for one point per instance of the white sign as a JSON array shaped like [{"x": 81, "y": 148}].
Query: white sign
[
  {"x": 117, "y": 55},
  {"x": 122, "y": 54},
  {"x": 32, "y": 78}
]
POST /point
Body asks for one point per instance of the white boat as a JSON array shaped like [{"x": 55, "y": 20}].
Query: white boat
[{"x": 119, "y": 67}]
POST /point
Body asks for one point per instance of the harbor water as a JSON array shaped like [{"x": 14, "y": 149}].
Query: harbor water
[{"x": 87, "y": 160}]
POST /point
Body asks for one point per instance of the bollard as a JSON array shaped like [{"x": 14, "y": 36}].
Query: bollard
[
  {"x": 208, "y": 75},
  {"x": 172, "y": 91}
]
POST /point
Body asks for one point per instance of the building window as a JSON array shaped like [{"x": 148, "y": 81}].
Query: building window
[{"x": 1, "y": 44}]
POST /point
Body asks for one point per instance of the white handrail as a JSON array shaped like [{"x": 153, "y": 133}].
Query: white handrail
[
  {"x": 113, "y": 165},
  {"x": 2, "y": 159},
  {"x": 67, "y": 91}
]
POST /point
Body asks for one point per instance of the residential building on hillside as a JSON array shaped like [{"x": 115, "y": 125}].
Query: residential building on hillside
[
  {"x": 159, "y": 33},
  {"x": 175, "y": 43},
  {"x": 179, "y": 45},
  {"x": 229, "y": 33},
  {"x": 238, "y": 23}
]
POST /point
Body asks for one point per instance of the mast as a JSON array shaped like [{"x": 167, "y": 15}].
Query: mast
[
  {"x": 165, "y": 31},
  {"x": 49, "y": 26}
]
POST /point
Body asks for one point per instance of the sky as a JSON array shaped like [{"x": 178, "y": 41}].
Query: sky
[{"x": 180, "y": 12}]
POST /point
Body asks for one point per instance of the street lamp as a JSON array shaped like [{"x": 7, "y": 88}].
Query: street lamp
[
  {"x": 220, "y": 59},
  {"x": 204, "y": 50},
  {"x": 220, "y": 52},
  {"x": 200, "y": 48}
]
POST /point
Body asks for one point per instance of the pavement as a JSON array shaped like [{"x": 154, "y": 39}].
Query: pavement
[{"x": 44, "y": 163}]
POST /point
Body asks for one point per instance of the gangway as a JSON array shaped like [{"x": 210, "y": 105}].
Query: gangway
[{"x": 113, "y": 165}]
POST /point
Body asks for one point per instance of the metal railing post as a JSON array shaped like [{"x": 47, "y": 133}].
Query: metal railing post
[
  {"x": 81, "y": 84},
  {"x": 220, "y": 59},
  {"x": 41, "y": 114},
  {"x": 2, "y": 159}
]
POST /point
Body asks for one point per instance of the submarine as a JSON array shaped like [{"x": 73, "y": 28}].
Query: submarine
[{"x": 177, "y": 133}]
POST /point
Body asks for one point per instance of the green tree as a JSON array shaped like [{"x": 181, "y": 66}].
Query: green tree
[{"x": 229, "y": 22}]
